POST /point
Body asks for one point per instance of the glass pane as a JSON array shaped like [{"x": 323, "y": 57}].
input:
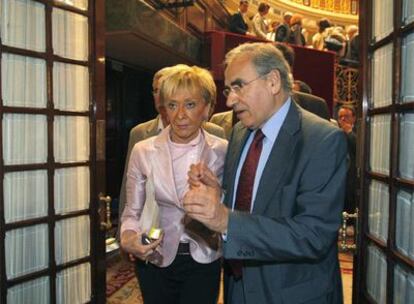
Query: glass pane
[
  {"x": 73, "y": 285},
  {"x": 406, "y": 165},
  {"x": 70, "y": 34},
  {"x": 403, "y": 286},
  {"x": 72, "y": 239},
  {"x": 36, "y": 291},
  {"x": 378, "y": 210},
  {"x": 23, "y": 81},
  {"x": 23, "y": 24},
  {"x": 25, "y": 195},
  {"x": 26, "y": 250},
  {"x": 381, "y": 87},
  {"x": 71, "y": 139},
  {"x": 376, "y": 274},
  {"x": 405, "y": 223},
  {"x": 70, "y": 87},
  {"x": 71, "y": 189},
  {"x": 380, "y": 144},
  {"x": 408, "y": 68},
  {"x": 24, "y": 139},
  {"x": 81, "y": 4},
  {"x": 382, "y": 18},
  {"x": 408, "y": 15}
]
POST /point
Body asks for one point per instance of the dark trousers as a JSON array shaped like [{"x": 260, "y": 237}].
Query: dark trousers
[{"x": 183, "y": 282}]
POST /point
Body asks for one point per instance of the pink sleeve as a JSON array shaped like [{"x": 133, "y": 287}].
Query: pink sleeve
[{"x": 135, "y": 192}]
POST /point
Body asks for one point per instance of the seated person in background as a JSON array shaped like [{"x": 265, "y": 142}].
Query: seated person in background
[
  {"x": 283, "y": 30},
  {"x": 260, "y": 27},
  {"x": 237, "y": 22},
  {"x": 185, "y": 266},
  {"x": 301, "y": 86}
]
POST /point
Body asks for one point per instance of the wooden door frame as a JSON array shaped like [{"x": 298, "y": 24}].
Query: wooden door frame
[
  {"x": 98, "y": 142},
  {"x": 394, "y": 182}
]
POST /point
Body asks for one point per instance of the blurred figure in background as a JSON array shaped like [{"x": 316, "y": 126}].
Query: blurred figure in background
[
  {"x": 271, "y": 35},
  {"x": 318, "y": 40},
  {"x": 301, "y": 86},
  {"x": 260, "y": 27},
  {"x": 283, "y": 30},
  {"x": 352, "y": 43},
  {"x": 238, "y": 22},
  {"x": 296, "y": 37}
]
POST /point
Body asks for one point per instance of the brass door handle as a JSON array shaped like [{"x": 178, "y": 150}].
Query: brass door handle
[
  {"x": 345, "y": 216},
  {"x": 105, "y": 211}
]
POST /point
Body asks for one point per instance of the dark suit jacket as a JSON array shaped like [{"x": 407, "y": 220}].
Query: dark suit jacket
[
  {"x": 237, "y": 24},
  {"x": 282, "y": 33},
  {"x": 312, "y": 103},
  {"x": 288, "y": 243}
]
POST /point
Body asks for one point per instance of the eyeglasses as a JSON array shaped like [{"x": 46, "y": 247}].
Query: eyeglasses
[{"x": 237, "y": 88}]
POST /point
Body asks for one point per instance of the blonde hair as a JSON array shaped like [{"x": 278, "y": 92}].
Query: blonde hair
[{"x": 194, "y": 79}]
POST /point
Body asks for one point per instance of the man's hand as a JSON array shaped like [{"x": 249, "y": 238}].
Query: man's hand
[{"x": 202, "y": 201}]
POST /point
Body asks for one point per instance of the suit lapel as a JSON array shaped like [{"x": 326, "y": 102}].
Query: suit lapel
[{"x": 279, "y": 159}]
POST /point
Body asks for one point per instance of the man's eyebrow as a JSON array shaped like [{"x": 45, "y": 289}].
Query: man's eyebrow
[{"x": 237, "y": 81}]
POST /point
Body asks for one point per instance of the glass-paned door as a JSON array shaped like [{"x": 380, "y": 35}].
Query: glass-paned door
[
  {"x": 50, "y": 100},
  {"x": 385, "y": 257}
]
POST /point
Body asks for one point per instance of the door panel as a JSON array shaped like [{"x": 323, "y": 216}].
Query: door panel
[
  {"x": 49, "y": 233},
  {"x": 384, "y": 267}
]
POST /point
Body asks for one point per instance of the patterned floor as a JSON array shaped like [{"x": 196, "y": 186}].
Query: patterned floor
[{"x": 122, "y": 286}]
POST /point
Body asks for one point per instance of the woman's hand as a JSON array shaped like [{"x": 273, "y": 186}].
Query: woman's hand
[{"x": 131, "y": 243}]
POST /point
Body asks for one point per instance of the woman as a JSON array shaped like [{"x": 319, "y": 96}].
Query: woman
[{"x": 184, "y": 265}]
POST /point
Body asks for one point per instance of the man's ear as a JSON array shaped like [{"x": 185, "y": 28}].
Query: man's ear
[{"x": 275, "y": 81}]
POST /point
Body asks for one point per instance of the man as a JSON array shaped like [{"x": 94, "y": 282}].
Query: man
[
  {"x": 291, "y": 166},
  {"x": 237, "y": 22},
  {"x": 152, "y": 128},
  {"x": 346, "y": 121},
  {"x": 283, "y": 30}
]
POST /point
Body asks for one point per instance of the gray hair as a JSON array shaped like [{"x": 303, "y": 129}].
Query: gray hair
[{"x": 265, "y": 58}]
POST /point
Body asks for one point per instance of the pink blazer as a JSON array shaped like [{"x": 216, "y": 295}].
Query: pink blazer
[{"x": 152, "y": 156}]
